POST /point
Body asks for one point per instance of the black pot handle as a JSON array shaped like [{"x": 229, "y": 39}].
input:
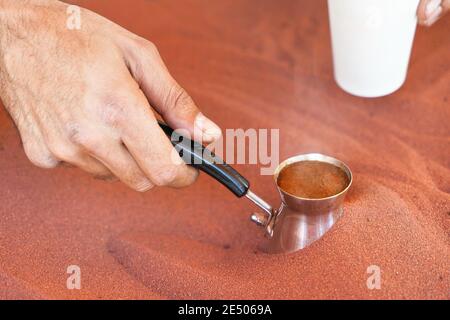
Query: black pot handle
[{"x": 196, "y": 155}]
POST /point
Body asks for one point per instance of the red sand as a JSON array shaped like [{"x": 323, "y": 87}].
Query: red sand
[{"x": 267, "y": 66}]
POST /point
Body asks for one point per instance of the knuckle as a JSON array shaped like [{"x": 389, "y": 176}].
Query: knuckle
[
  {"x": 143, "y": 185},
  {"x": 75, "y": 133},
  {"x": 190, "y": 176},
  {"x": 137, "y": 180},
  {"x": 146, "y": 57},
  {"x": 44, "y": 163},
  {"x": 80, "y": 137},
  {"x": 147, "y": 46},
  {"x": 91, "y": 144},
  {"x": 194, "y": 178},
  {"x": 41, "y": 159},
  {"x": 178, "y": 98},
  {"x": 62, "y": 151},
  {"x": 113, "y": 112},
  {"x": 165, "y": 176}
]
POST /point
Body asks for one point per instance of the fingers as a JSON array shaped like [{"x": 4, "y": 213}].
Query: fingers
[
  {"x": 166, "y": 95},
  {"x": 51, "y": 149},
  {"x": 33, "y": 142},
  {"x": 111, "y": 154},
  {"x": 49, "y": 154},
  {"x": 124, "y": 142},
  {"x": 124, "y": 167},
  {"x": 145, "y": 141},
  {"x": 70, "y": 153},
  {"x": 73, "y": 149},
  {"x": 431, "y": 10},
  {"x": 36, "y": 150}
]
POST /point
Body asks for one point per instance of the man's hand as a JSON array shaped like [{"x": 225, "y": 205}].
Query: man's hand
[
  {"x": 431, "y": 10},
  {"x": 85, "y": 97}
]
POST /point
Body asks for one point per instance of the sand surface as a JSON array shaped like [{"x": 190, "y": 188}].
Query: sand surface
[{"x": 247, "y": 66}]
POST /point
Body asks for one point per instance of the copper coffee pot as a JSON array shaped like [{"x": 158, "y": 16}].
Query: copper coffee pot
[{"x": 297, "y": 222}]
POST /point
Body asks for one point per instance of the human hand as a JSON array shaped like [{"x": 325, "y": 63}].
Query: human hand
[
  {"x": 85, "y": 97},
  {"x": 431, "y": 10}
]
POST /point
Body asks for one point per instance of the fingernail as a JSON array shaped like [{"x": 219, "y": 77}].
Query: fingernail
[
  {"x": 210, "y": 131},
  {"x": 434, "y": 16},
  {"x": 432, "y": 6}
]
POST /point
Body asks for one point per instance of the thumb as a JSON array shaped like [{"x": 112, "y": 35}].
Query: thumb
[
  {"x": 167, "y": 97},
  {"x": 180, "y": 111}
]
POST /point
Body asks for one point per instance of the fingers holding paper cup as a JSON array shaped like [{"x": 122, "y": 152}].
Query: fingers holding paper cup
[{"x": 432, "y": 10}]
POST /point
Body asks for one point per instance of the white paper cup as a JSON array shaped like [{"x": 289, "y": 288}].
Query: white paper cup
[{"x": 372, "y": 41}]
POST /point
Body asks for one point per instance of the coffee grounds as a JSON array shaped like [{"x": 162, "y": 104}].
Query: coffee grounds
[{"x": 312, "y": 179}]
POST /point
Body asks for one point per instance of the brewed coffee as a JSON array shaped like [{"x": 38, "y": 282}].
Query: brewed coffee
[{"x": 312, "y": 179}]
